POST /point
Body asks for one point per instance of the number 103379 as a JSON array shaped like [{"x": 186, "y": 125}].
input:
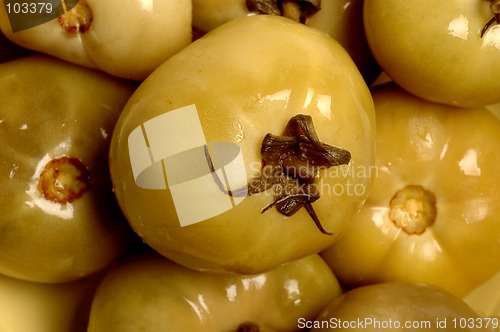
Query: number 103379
[
  {"x": 476, "y": 323},
  {"x": 29, "y": 8}
]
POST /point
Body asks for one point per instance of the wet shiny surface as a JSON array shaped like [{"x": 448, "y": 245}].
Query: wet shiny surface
[
  {"x": 453, "y": 154},
  {"x": 120, "y": 38},
  {"x": 51, "y": 111},
  {"x": 395, "y": 306},
  {"x": 267, "y": 88},
  {"x": 149, "y": 291},
  {"x": 442, "y": 58},
  {"x": 342, "y": 20}
]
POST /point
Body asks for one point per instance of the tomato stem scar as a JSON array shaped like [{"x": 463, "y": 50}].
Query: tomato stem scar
[
  {"x": 78, "y": 19},
  {"x": 495, "y": 8},
  {"x": 413, "y": 209},
  {"x": 297, "y": 10},
  {"x": 64, "y": 180},
  {"x": 291, "y": 163}
]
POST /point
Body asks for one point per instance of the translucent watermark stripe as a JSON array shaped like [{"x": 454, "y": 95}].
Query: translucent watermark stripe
[
  {"x": 26, "y": 14},
  {"x": 170, "y": 152}
]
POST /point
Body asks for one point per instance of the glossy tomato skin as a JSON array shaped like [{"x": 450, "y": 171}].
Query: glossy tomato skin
[
  {"x": 342, "y": 20},
  {"x": 57, "y": 307},
  {"x": 242, "y": 81},
  {"x": 128, "y": 39},
  {"x": 439, "y": 57},
  {"x": 56, "y": 111},
  {"x": 452, "y": 154},
  {"x": 400, "y": 306},
  {"x": 147, "y": 291}
]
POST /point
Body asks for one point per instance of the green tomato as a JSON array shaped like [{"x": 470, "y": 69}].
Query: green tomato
[
  {"x": 125, "y": 38},
  {"x": 60, "y": 220},
  {"x": 342, "y": 20},
  {"x": 398, "y": 306},
  {"x": 442, "y": 56},
  {"x": 432, "y": 213},
  {"x": 148, "y": 292},
  {"x": 27, "y": 306},
  {"x": 194, "y": 169}
]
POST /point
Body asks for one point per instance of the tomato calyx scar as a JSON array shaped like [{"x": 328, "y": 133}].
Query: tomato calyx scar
[
  {"x": 291, "y": 163},
  {"x": 413, "y": 209},
  {"x": 78, "y": 19},
  {"x": 495, "y": 8},
  {"x": 297, "y": 10},
  {"x": 64, "y": 180}
]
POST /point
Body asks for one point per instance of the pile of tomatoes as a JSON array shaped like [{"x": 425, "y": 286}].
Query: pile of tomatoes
[{"x": 249, "y": 165}]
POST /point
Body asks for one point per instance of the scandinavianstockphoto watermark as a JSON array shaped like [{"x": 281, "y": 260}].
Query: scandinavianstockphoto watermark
[
  {"x": 213, "y": 177},
  {"x": 350, "y": 179}
]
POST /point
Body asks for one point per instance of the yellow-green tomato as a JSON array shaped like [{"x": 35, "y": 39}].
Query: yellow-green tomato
[
  {"x": 27, "y": 306},
  {"x": 125, "y": 38},
  {"x": 442, "y": 56},
  {"x": 208, "y": 15},
  {"x": 398, "y": 306},
  {"x": 433, "y": 211},
  {"x": 149, "y": 292},
  {"x": 200, "y": 180},
  {"x": 59, "y": 218},
  {"x": 342, "y": 20}
]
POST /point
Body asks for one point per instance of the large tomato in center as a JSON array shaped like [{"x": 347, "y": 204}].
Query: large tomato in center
[{"x": 200, "y": 179}]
